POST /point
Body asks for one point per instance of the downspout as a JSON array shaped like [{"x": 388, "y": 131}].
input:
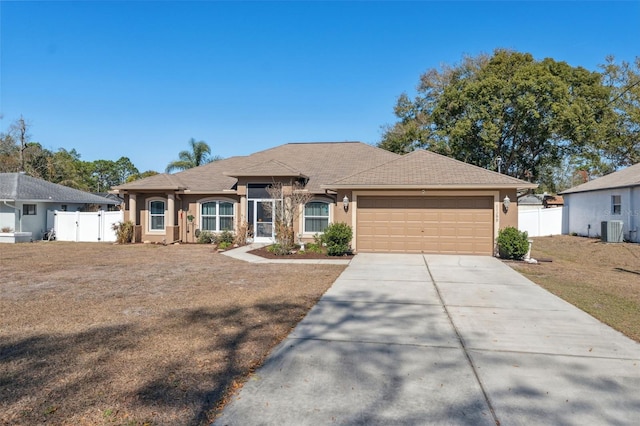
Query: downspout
[
  {"x": 19, "y": 214},
  {"x": 633, "y": 225}
]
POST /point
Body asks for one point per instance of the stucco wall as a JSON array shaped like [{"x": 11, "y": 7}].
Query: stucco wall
[
  {"x": 584, "y": 212},
  {"x": 510, "y": 217},
  {"x": 189, "y": 206},
  {"x": 143, "y": 218},
  {"x": 36, "y": 224}
]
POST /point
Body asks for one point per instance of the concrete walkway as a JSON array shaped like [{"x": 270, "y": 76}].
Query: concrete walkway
[{"x": 412, "y": 340}]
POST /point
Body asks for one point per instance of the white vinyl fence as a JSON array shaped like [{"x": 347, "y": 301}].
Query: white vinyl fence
[
  {"x": 84, "y": 226},
  {"x": 541, "y": 222}
]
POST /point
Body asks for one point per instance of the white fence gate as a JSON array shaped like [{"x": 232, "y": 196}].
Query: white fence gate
[
  {"x": 541, "y": 222},
  {"x": 84, "y": 226}
]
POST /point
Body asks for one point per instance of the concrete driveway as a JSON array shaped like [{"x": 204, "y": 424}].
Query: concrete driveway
[{"x": 413, "y": 339}]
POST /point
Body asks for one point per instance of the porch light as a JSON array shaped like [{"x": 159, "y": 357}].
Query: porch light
[
  {"x": 506, "y": 203},
  {"x": 345, "y": 203}
]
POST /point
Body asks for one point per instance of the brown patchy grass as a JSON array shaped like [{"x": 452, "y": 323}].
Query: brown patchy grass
[
  {"x": 101, "y": 334},
  {"x": 601, "y": 279}
]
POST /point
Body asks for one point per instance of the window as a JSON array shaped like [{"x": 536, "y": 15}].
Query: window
[
  {"x": 316, "y": 216},
  {"x": 156, "y": 215},
  {"x": 616, "y": 204},
  {"x": 29, "y": 209},
  {"x": 217, "y": 216}
]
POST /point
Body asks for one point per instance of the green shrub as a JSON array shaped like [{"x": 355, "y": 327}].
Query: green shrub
[
  {"x": 273, "y": 248},
  {"x": 279, "y": 249},
  {"x": 338, "y": 237},
  {"x": 226, "y": 237},
  {"x": 313, "y": 247},
  {"x": 223, "y": 245},
  {"x": 124, "y": 231},
  {"x": 512, "y": 244},
  {"x": 320, "y": 240},
  {"x": 206, "y": 237}
]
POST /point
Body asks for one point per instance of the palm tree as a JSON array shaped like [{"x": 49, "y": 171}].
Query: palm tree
[{"x": 200, "y": 154}]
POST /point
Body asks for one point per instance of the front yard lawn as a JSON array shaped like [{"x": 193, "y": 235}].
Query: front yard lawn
[
  {"x": 602, "y": 279},
  {"x": 95, "y": 334}
]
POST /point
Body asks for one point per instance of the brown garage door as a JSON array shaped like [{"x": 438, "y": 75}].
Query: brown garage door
[{"x": 448, "y": 225}]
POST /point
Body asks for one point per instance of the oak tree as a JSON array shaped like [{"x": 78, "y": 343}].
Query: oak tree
[{"x": 505, "y": 109}]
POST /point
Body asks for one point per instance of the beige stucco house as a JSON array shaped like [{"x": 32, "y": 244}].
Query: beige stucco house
[{"x": 421, "y": 202}]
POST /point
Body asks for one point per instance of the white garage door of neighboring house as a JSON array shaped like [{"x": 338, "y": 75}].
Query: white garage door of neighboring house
[{"x": 447, "y": 225}]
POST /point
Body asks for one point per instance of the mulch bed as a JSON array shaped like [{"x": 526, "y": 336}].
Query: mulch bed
[{"x": 264, "y": 252}]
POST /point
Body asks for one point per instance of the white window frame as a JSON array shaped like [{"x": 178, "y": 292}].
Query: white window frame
[
  {"x": 151, "y": 215},
  {"x": 217, "y": 215},
  {"x": 616, "y": 201},
  {"x": 329, "y": 203}
]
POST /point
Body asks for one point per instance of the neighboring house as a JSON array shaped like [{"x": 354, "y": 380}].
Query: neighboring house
[
  {"x": 25, "y": 200},
  {"x": 539, "y": 201},
  {"x": 418, "y": 202},
  {"x": 612, "y": 197},
  {"x": 551, "y": 201},
  {"x": 530, "y": 202},
  {"x": 113, "y": 197}
]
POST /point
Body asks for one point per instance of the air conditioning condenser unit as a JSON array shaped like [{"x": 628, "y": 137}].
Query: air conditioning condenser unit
[{"x": 611, "y": 231}]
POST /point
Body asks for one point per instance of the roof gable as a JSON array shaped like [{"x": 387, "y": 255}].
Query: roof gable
[
  {"x": 622, "y": 178},
  {"x": 21, "y": 187},
  {"x": 428, "y": 169}
]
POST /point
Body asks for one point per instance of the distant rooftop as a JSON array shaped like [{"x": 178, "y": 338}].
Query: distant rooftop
[{"x": 21, "y": 187}]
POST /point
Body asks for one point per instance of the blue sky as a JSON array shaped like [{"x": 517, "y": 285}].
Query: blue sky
[{"x": 138, "y": 79}]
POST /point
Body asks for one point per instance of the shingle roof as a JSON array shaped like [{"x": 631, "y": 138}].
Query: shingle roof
[
  {"x": 321, "y": 162},
  {"x": 268, "y": 168},
  {"x": 326, "y": 164},
  {"x": 20, "y": 187},
  {"x": 622, "y": 178},
  {"x": 428, "y": 169},
  {"x": 530, "y": 200},
  {"x": 160, "y": 181}
]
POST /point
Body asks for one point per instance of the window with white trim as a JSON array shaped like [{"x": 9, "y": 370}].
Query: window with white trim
[
  {"x": 616, "y": 204},
  {"x": 216, "y": 216},
  {"x": 156, "y": 215},
  {"x": 316, "y": 216}
]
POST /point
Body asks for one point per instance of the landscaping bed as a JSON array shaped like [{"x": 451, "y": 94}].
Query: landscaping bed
[
  {"x": 102, "y": 334},
  {"x": 603, "y": 279},
  {"x": 296, "y": 254}
]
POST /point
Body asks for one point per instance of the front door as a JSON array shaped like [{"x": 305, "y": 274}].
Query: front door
[{"x": 261, "y": 220}]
